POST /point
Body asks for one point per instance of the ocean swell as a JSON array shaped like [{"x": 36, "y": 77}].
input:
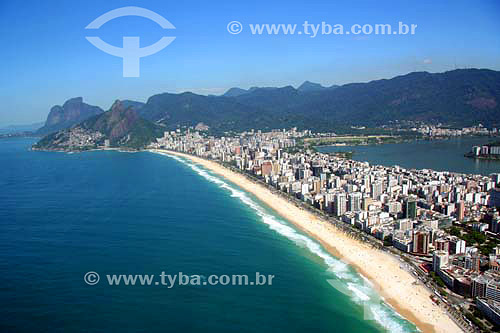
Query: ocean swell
[{"x": 341, "y": 276}]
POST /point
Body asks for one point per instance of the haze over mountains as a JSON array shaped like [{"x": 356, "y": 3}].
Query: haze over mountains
[
  {"x": 307, "y": 86},
  {"x": 72, "y": 112},
  {"x": 12, "y": 129},
  {"x": 456, "y": 98},
  {"x": 121, "y": 126}
]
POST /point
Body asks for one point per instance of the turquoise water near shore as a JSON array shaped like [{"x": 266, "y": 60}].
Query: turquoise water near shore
[
  {"x": 62, "y": 215},
  {"x": 440, "y": 155}
]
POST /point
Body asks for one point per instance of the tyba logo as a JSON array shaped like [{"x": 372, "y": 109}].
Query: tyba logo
[{"x": 131, "y": 52}]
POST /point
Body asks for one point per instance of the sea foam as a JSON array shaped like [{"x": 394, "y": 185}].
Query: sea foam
[{"x": 361, "y": 292}]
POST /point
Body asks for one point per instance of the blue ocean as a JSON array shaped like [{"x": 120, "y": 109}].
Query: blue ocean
[{"x": 63, "y": 215}]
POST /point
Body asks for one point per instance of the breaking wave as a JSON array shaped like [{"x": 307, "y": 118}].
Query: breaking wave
[{"x": 348, "y": 281}]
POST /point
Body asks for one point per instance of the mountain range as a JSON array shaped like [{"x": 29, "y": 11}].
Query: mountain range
[
  {"x": 460, "y": 97},
  {"x": 72, "y": 112},
  {"x": 121, "y": 126},
  {"x": 456, "y": 98}
]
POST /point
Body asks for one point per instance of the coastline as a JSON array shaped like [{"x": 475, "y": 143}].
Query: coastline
[
  {"x": 392, "y": 282},
  {"x": 482, "y": 157},
  {"x": 120, "y": 149}
]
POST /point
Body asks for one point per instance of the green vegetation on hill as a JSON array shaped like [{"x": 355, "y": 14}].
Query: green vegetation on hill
[
  {"x": 124, "y": 128},
  {"x": 457, "y": 98},
  {"x": 121, "y": 126},
  {"x": 73, "y": 112}
]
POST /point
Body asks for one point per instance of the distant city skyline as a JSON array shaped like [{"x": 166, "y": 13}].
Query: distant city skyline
[{"x": 47, "y": 60}]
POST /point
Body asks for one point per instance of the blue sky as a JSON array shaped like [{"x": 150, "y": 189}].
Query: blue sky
[{"x": 45, "y": 58}]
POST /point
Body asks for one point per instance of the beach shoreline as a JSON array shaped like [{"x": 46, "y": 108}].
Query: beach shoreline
[{"x": 392, "y": 282}]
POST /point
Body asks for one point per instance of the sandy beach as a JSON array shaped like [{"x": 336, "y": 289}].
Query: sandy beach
[{"x": 383, "y": 270}]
